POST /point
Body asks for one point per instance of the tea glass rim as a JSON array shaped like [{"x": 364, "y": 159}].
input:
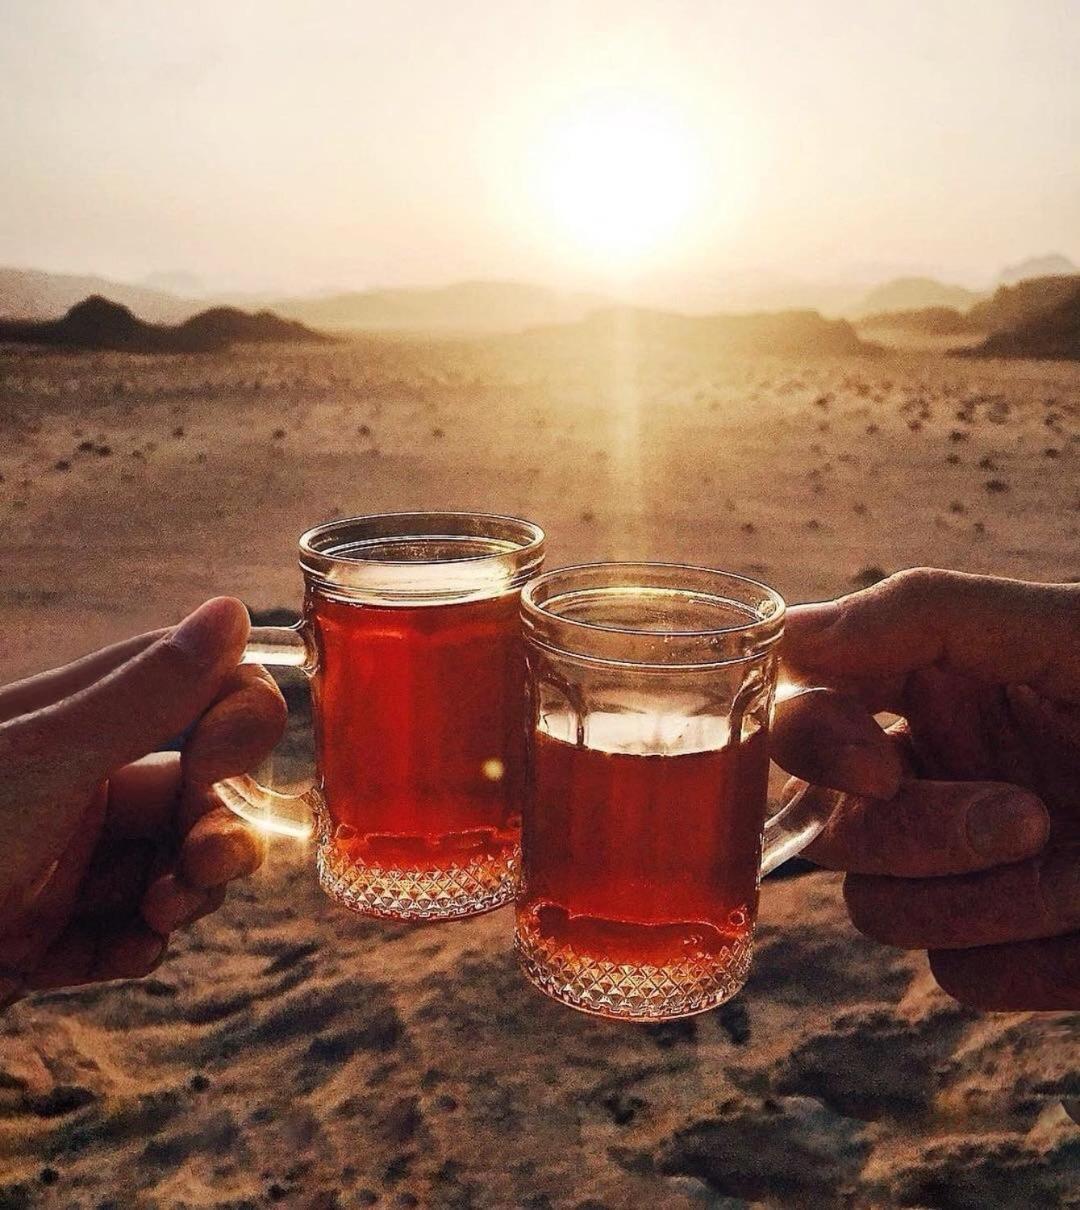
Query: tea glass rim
[
  {"x": 643, "y": 647},
  {"x": 498, "y": 554}
]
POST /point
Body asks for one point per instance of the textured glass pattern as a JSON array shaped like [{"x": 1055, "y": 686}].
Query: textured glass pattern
[
  {"x": 445, "y": 893},
  {"x": 635, "y": 992}
]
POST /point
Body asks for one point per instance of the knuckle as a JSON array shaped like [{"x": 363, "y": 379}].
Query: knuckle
[{"x": 915, "y": 586}]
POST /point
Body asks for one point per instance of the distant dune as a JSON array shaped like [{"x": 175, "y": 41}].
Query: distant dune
[
  {"x": 934, "y": 321},
  {"x": 782, "y": 332},
  {"x": 915, "y": 294},
  {"x": 479, "y": 306},
  {"x": 99, "y": 323},
  {"x": 28, "y": 294},
  {"x": 1052, "y": 334},
  {"x": 491, "y": 307}
]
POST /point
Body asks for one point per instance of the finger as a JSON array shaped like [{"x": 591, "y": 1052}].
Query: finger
[
  {"x": 830, "y": 739},
  {"x": 171, "y": 903},
  {"x": 238, "y": 730},
  {"x": 129, "y": 953},
  {"x": 143, "y": 797},
  {"x": 1004, "y": 631},
  {"x": 219, "y": 848},
  {"x": 1036, "y": 898},
  {"x": 89, "y": 953},
  {"x": 69, "y": 960},
  {"x": 931, "y": 828},
  {"x": 47, "y": 687},
  {"x": 13, "y": 986},
  {"x": 118, "y": 876},
  {"x": 139, "y": 705},
  {"x": 212, "y": 900},
  {"x": 37, "y": 907},
  {"x": 1045, "y": 730},
  {"x": 1031, "y": 976}
]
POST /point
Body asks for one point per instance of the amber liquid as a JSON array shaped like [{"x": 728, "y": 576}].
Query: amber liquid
[
  {"x": 421, "y": 749},
  {"x": 646, "y": 864}
]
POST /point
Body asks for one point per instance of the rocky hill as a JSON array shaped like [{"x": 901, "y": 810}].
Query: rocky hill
[
  {"x": 1053, "y": 334},
  {"x": 1014, "y": 305},
  {"x": 99, "y": 323}
]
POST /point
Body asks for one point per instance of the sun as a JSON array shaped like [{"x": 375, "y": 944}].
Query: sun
[{"x": 618, "y": 179}]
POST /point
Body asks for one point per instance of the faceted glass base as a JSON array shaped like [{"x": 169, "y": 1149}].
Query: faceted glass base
[
  {"x": 451, "y": 892},
  {"x": 631, "y": 992}
]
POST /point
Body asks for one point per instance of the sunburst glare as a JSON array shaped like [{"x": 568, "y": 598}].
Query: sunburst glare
[{"x": 617, "y": 179}]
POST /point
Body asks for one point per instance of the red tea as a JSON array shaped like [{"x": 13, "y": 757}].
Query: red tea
[
  {"x": 422, "y": 766},
  {"x": 642, "y": 862}
]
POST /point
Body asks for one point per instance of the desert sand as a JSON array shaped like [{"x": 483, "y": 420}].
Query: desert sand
[{"x": 291, "y": 1053}]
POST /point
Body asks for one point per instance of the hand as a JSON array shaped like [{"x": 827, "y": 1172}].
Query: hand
[
  {"x": 960, "y": 826},
  {"x": 108, "y": 845}
]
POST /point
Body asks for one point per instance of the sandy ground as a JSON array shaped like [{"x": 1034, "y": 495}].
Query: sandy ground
[{"x": 290, "y": 1053}]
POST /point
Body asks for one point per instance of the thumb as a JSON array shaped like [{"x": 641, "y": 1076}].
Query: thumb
[
  {"x": 140, "y": 704},
  {"x": 983, "y": 627}
]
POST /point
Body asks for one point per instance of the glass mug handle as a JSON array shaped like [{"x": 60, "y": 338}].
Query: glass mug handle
[
  {"x": 790, "y": 830},
  {"x": 269, "y": 810}
]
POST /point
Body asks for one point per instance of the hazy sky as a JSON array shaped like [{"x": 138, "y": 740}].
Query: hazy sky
[{"x": 308, "y": 145}]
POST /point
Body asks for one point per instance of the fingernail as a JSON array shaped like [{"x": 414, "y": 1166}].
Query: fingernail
[
  {"x": 1008, "y": 824},
  {"x": 202, "y": 633}
]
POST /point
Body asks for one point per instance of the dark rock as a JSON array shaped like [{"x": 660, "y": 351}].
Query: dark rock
[
  {"x": 62, "y": 1099},
  {"x": 400, "y": 1121},
  {"x": 735, "y": 1021},
  {"x": 623, "y": 1108},
  {"x": 398, "y": 1168},
  {"x": 865, "y": 577}
]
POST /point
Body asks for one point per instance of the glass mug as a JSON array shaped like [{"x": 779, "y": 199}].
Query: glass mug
[
  {"x": 411, "y": 638},
  {"x": 651, "y": 690}
]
